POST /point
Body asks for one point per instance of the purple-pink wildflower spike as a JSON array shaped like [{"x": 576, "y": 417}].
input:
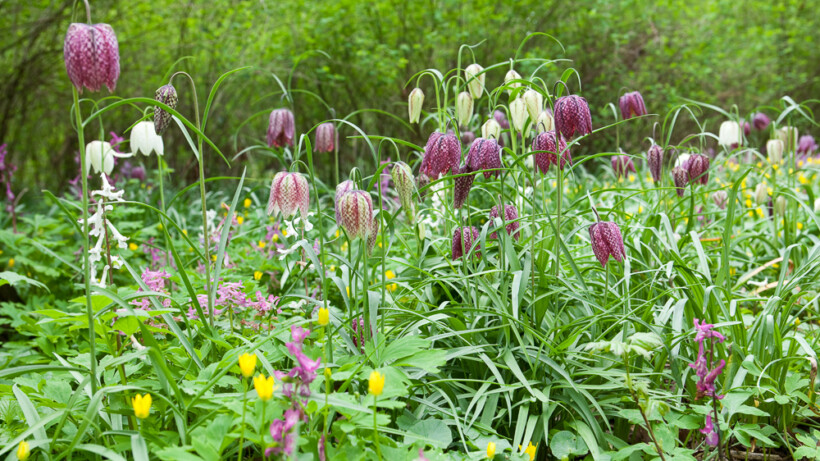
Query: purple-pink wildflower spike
[
  {"x": 441, "y": 154},
  {"x": 710, "y": 432},
  {"x": 544, "y": 144},
  {"x": 356, "y": 211},
  {"x": 92, "y": 56},
  {"x": 698, "y": 167},
  {"x": 654, "y": 157},
  {"x": 463, "y": 184},
  {"x": 572, "y": 116},
  {"x": 325, "y": 137},
  {"x": 607, "y": 241},
  {"x": 622, "y": 164},
  {"x": 485, "y": 154},
  {"x": 501, "y": 118},
  {"x": 341, "y": 189},
  {"x": 761, "y": 121},
  {"x": 510, "y": 218},
  {"x": 281, "y": 128},
  {"x": 289, "y": 193},
  {"x": 806, "y": 145},
  {"x": 681, "y": 178},
  {"x": 632, "y": 105},
  {"x": 464, "y": 239}
]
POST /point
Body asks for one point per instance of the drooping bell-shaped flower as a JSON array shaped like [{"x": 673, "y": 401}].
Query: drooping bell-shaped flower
[
  {"x": 414, "y": 102},
  {"x": 806, "y": 145},
  {"x": 518, "y": 114},
  {"x": 622, "y": 164},
  {"x": 747, "y": 128},
  {"x": 780, "y": 206},
  {"x": 547, "y": 146},
  {"x": 144, "y": 139},
  {"x": 474, "y": 76},
  {"x": 462, "y": 185},
  {"x": 289, "y": 193},
  {"x": 761, "y": 121},
  {"x": 492, "y": 129},
  {"x": 485, "y": 154},
  {"x": 99, "y": 156},
  {"x": 92, "y": 56},
  {"x": 729, "y": 134},
  {"x": 464, "y": 108},
  {"x": 467, "y": 138},
  {"x": 720, "y": 198},
  {"x": 374, "y": 233},
  {"x": 698, "y": 167},
  {"x": 356, "y": 210},
  {"x": 632, "y": 105},
  {"x": 341, "y": 189},
  {"x": 167, "y": 95},
  {"x": 464, "y": 239},
  {"x": 535, "y": 103},
  {"x": 545, "y": 121},
  {"x": 509, "y": 80},
  {"x": 501, "y": 118},
  {"x": 681, "y": 177},
  {"x": 572, "y": 116},
  {"x": 281, "y": 128},
  {"x": 325, "y": 137},
  {"x": 774, "y": 149},
  {"x": 787, "y": 134},
  {"x": 403, "y": 178},
  {"x": 510, "y": 219},
  {"x": 607, "y": 241},
  {"x": 442, "y": 154},
  {"x": 761, "y": 194},
  {"x": 654, "y": 158}
]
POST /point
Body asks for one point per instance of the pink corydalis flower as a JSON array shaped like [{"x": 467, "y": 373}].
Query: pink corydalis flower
[
  {"x": 510, "y": 218},
  {"x": 485, "y": 154},
  {"x": 654, "y": 158},
  {"x": 698, "y": 168},
  {"x": 289, "y": 193},
  {"x": 356, "y": 214},
  {"x": 681, "y": 178},
  {"x": 463, "y": 183},
  {"x": 92, "y": 56},
  {"x": 464, "y": 239},
  {"x": 607, "y": 241},
  {"x": 546, "y": 146},
  {"x": 281, "y": 128},
  {"x": 761, "y": 121},
  {"x": 167, "y": 95},
  {"x": 710, "y": 432},
  {"x": 706, "y": 378},
  {"x": 441, "y": 154},
  {"x": 572, "y": 116},
  {"x": 622, "y": 164},
  {"x": 632, "y": 105},
  {"x": 325, "y": 137}
]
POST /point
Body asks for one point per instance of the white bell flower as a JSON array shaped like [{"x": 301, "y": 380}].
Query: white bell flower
[
  {"x": 145, "y": 139},
  {"x": 100, "y": 156},
  {"x": 729, "y": 134}
]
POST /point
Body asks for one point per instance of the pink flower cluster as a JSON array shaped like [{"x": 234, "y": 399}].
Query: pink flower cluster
[
  {"x": 707, "y": 377},
  {"x": 230, "y": 296},
  {"x": 155, "y": 281}
]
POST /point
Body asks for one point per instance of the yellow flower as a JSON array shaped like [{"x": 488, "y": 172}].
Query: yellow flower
[
  {"x": 133, "y": 246},
  {"x": 240, "y": 219},
  {"x": 748, "y": 203},
  {"x": 11, "y": 263},
  {"x": 328, "y": 372},
  {"x": 802, "y": 178},
  {"x": 389, "y": 275},
  {"x": 775, "y": 167},
  {"x": 797, "y": 322},
  {"x": 285, "y": 232},
  {"x": 185, "y": 231},
  {"x": 759, "y": 164},
  {"x": 275, "y": 238},
  {"x": 344, "y": 246},
  {"x": 348, "y": 291},
  {"x": 800, "y": 226},
  {"x": 323, "y": 317},
  {"x": 142, "y": 405},
  {"x": 159, "y": 226},
  {"x": 247, "y": 203},
  {"x": 490, "y": 450},
  {"x": 262, "y": 244},
  {"x": 213, "y": 258},
  {"x": 530, "y": 450},
  {"x": 337, "y": 233},
  {"x": 332, "y": 268},
  {"x": 375, "y": 385},
  {"x": 759, "y": 212},
  {"x": 23, "y": 451},
  {"x": 247, "y": 363},
  {"x": 640, "y": 209},
  {"x": 264, "y": 387},
  {"x": 631, "y": 178},
  {"x": 257, "y": 275},
  {"x": 732, "y": 271}
]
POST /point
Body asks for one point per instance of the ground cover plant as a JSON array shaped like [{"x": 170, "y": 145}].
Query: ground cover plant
[{"x": 487, "y": 295}]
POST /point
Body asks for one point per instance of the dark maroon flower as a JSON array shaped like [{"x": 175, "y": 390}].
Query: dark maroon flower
[
  {"x": 441, "y": 154},
  {"x": 698, "y": 167},
  {"x": 92, "y": 56},
  {"x": 467, "y": 137},
  {"x": 622, "y": 164},
  {"x": 463, "y": 241},
  {"x": 632, "y": 105},
  {"x": 806, "y": 145},
  {"x": 463, "y": 184},
  {"x": 281, "y": 128},
  {"x": 485, "y": 154},
  {"x": 572, "y": 116},
  {"x": 747, "y": 129},
  {"x": 681, "y": 178},
  {"x": 167, "y": 95},
  {"x": 607, "y": 241},
  {"x": 510, "y": 218},
  {"x": 501, "y": 118},
  {"x": 546, "y": 150},
  {"x": 654, "y": 157},
  {"x": 761, "y": 121},
  {"x": 325, "y": 137}
]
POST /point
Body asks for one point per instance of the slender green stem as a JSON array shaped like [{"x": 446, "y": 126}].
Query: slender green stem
[
  {"x": 376, "y": 426},
  {"x": 558, "y": 217},
  {"x": 244, "y": 406},
  {"x": 366, "y": 282}
]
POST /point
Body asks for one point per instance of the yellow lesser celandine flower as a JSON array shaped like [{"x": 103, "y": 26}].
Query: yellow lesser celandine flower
[
  {"x": 240, "y": 219},
  {"x": 530, "y": 450},
  {"x": 262, "y": 244},
  {"x": 389, "y": 275},
  {"x": 375, "y": 384},
  {"x": 337, "y": 233},
  {"x": 800, "y": 226},
  {"x": 797, "y": 322},
  {"x": 323, "y": 317},
  {"x": 23, "y": 451},
  {"x": 142, "y": 405},
  {"x": 11, "y": 263},
  {"x": 332, "y": 268},
  {"x": 257, "y": 275},
  {"x": 344, "y": 246},
  {"x": 348, "y": 291},
  {"x": 247, "y": 203},
  {"x": 490, "y": 450},
  {"x": 185, "y": 231},
  {"x": 275, "y": 238},
  {"x": 285, "y": 232},
  {"x": 247, "y": 364},
  {"x": 328, "y": 372},
  {"x": 759, "y": 212},
  {"x": 264, "y": 387},
  {"x": 632, "y": 178},
  {"x": 133, "y": 246}
]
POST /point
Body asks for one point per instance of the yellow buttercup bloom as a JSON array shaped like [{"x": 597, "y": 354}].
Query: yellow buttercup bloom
[
  {"x": 142, "y": 405},
  {"x": 275, "y": 238},
  {"x": 375, "y": 384},
  {"x": 323, "y": 317},
  {"x": 800, "y": 226},
  {"x": 530, "y": 450},
  {"x": 285, "y": 232},
  {"x": 262, "y": 244},
  {"x": 247, "y": 364},
  {"x": 23, "y": 451},
  {"x": 11, "y": 263},
  {"x": 133, "y": 246},
  {"x": 348, "y": 291},
  {"x": 264, "y": 387},
  {"x": 240, "y": 219},
  {"x": 257, "y": 275},
  {"x": 247, "y": 203},
  {"x": 490, "y": 450},
  {"x": 389, "y": 275}
]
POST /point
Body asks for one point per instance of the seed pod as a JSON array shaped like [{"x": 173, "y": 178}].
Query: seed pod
[
  {"x": 761, "y": 194},
  {"x": 698, "y": 167},
  {"x": 508, "y": 80},
  {"x": 474, "y": 76},
  {"x": 535, "y": 103},
  {"x": 518, "y": 114},
  {"x": 760, "y": 121},
  {"x": 167, "y": 95},
  {"x": 729, "y": 134},
  {"x": 681, "y": 177},
  {"x": 464, "y": 240},
  {"x": 572, "y": 116},
  {"x": 325, "y": 137},
  {"x": 484, "y": 154},
  {"x": 546, "y": 146},
  {"x": 441, "y": 154},
  {"x": 414, "y": 103},
  {"x": 405, "y": 183},
  {"x": 92, "y": 56},
  {"x": 622, "y": 164},
  {"x": 280, "y": 128},
  {"x": 510, "y": 218},
  {"x": 780, "y": 206},
  {"x": 721, "y": 198},
  {"x": 356, "y": 210},
  {"x": 341, "y": 189},
  {"x": 606, "y": 241},
  {"x": 774, "y": 149},
  {"x": 464, "y": 108},
  {"x": 654, "y": 157},
  {"x": 632, "y": 105},
  {"x": 289, "y": 193},
  {"x": 463, "y": 184},
  {"x": 545, "y": 121},
  {"x": 491, "y": 129}
]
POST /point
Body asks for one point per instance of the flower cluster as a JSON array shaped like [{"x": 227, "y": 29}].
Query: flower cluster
[
  {"x": 706, "y": 377},
  {"x": 104, "y": 230}
]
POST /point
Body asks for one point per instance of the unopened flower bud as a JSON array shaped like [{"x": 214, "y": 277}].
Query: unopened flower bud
[
  {"x": 464, "y": 108},
  {"x": 509, "y": 80},
  {"x": 485, "y": 154},
  {"x": 325, "y": 137},
  {"x": 761, "y": 194},
  {"x": 774, "y": 149},
  {"x": 780, "y": 206},
  {"x": 761, "y": 121},
  {"x": 698, "y": 167},
  {"x": 474, "y": 76},
  {"x": 654, "y": 158},
  {"x": 535, "y": 103},
  {"x": 545, "y": 122},
  {"x": 92, "y": 56},
  {"x": 721, "y": 198},
  {"x": 518, "y": 114},
  {"x": 491, "y": 129},
  {"x": 167, "y": 95},
  {"x": 462, "y": 186},
  {"x": 414, "y": 103},
  {"x": 787, "y": 134},
  {"x": 547, "y": 146},
  {"x": 606, "y": 241},
  {"x": 402, "y": 176}
]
